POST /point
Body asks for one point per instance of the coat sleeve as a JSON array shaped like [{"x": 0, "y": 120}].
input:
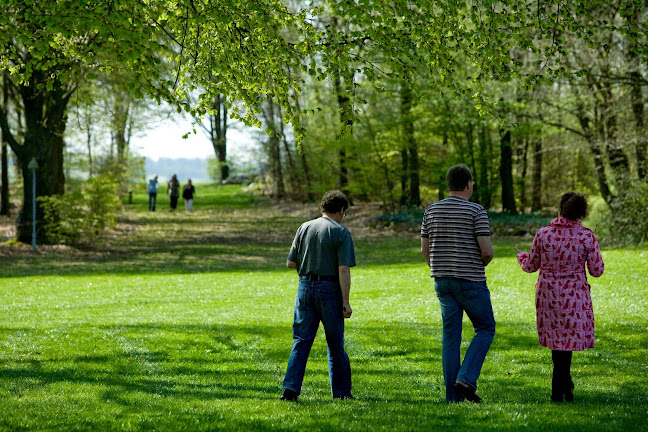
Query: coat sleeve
[
  {"x": 530, "y": 262},
  {"x": 595, "y": 264}
]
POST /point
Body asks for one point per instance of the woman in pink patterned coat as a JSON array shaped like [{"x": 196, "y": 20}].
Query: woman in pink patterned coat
[{"x": 564, "y": 313}]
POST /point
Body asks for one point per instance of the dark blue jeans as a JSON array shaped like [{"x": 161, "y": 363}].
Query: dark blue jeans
[
  {"x": 152, "y": 197},
  {"x": 319, "y": 301},
  {"x": 457, "y": 296}
]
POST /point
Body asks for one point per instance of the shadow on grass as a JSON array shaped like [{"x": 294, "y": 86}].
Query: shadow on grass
[{"x": 231, "y": 377}]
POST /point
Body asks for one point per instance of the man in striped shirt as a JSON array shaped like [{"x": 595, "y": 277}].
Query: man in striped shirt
[{"x": 455, "y": 241}]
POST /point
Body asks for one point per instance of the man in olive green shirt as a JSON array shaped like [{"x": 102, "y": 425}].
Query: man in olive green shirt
[{"x": 322, "y": 253}]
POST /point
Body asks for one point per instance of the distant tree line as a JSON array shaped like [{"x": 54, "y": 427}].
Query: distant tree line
[{"x": 376, "y": 98}]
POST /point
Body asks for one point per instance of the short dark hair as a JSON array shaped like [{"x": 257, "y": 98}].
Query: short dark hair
[
  {"x": 333, "y": 201},
  {"x": 458, "y": 177},
  {"x": 573, "y": 206}
]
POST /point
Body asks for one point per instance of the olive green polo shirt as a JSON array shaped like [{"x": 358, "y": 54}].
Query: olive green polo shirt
[{"x": 321, "y": 246}]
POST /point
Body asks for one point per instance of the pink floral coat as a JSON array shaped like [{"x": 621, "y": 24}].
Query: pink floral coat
[{"x": 564, "y": 313}]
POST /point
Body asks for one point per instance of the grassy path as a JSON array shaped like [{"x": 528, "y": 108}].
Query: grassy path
[{"x": 182, "y": 322}]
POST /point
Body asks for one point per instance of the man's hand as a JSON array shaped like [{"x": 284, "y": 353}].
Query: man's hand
[{"x": 346, "y": 309}]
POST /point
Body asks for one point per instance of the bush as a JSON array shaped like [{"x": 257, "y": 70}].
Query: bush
[{"x": 84, "y": 214}]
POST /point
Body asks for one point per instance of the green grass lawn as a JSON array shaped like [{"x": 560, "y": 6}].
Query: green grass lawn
[{"x": 183, "y": 322}]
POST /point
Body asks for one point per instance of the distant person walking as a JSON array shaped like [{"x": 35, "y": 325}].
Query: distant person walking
[
  {"x": 455, "y": 242},
  {"x": 188, "y": 194},
  {"x": 152, "y": 191},
  {"x": 564, "y": 313},
  {"x": 174, "y": 191},
  {"x": 322, "y": 252}
]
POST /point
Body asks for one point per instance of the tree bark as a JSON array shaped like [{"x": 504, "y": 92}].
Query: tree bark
[
  {"x": 219, "y": 135},
  {"x": 302, "y": 154},
  {"x": 483, "y": 185},
  {"x": 4, "y": 199},
  {"x": 342, "y": 91},
  {"x": 641, "y": 145},
  {"x": 411, "y": 183},
  {"x": 599, "y": 161},
  {"x": 279, "y": 189},
  {"x": 525, "y": 165},
  {"x": 536, "y": 185},
  {"x": 45, "y": 120},
  {"x": 506, "y": 172}
]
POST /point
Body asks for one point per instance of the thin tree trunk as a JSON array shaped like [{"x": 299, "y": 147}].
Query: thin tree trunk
[
  {"x": 506, "y": 173},
  {"x": 403, "y": 176},
  {"x": 483, "y": 185},
  {"x": 304, "y": 161},
  {"x": 220, "y": 135},
  {"x": 89, "y": 144},
  {"x": 342, "y": 90},
  {"x": 599, "y": 161},
  {"x": 523, "y": 174},
  {"x": 293, "y": 178},
  {"x": 275, "y": 153},
  {"x": 536, "y": 185},
  {"x": 4, "y": 199},
  {"x": 410, "y": 158},
  {"x": 641, "y": 145}
]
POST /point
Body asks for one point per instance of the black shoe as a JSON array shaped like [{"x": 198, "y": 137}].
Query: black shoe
[
  {"x": 569, "y": 392},
  {"x": 556, "y": 397},
  {"x": 343, "y": 397},
  {"x": 467, "y": 392},
  {"x": 289, "y": 395},
  {"x": 557, "y": 393}
]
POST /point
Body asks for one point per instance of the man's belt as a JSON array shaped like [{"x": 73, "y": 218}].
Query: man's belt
[{"x": 312, "y": 277}]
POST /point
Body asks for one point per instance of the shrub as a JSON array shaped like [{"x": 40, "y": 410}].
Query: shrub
[{"x": 84, "y": 214}]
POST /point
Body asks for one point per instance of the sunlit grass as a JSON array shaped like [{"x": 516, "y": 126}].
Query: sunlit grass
[{"x": 184, "y": 323}]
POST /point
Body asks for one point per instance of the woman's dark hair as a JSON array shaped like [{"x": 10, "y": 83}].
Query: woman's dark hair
[
  {"x": 573, "y": 206},
  {"x": 333, "y": 201},
  {"x": 458, "y": 177}
]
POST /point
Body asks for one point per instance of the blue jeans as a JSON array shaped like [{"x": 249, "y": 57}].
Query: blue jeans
[
  {"x": 319, "y": 301},
  {"x": 457, "y": 296},
  {"x": 152, "y": 197}
]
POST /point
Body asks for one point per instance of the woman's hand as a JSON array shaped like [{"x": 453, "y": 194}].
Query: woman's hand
[{"x": 517, "y": 250}]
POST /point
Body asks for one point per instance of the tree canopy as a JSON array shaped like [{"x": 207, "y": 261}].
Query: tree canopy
[{"x": 252, "y": 52}]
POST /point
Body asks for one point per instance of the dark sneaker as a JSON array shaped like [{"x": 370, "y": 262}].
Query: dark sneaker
[
  {"x": 289, "y": 395},
  {"x": 467, "y": 392}
]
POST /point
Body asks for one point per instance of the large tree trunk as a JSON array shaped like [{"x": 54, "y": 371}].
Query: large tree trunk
[
  {"x": 45, "y": 119},
  {"x": 506, "y": 173}
]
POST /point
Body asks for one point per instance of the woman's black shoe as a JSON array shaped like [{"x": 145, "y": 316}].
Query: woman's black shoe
[
  {"x": 569, "y": 393},
  {"x": 557, "y": 392}
]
